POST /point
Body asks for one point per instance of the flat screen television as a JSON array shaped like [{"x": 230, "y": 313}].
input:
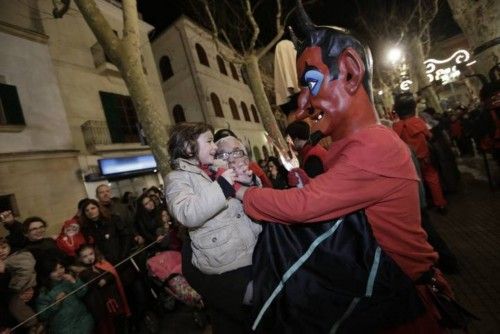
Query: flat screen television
[{"x": 123, "y": 166}]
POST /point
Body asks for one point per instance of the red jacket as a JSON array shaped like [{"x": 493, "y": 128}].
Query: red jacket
[{"x": 414, "y": 132}]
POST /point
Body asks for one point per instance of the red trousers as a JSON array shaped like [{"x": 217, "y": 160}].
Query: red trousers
[{"x": 431, "y": 179}]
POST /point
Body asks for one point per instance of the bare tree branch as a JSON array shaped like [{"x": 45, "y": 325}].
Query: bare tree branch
[
  {"x": 280, "y": 29},
  {"x": 215, "y": 37},
  {"x": 131, "y": 23},
  {"x": 254, "y": 24}
]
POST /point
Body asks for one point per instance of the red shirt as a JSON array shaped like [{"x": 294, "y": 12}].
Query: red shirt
[
  {"x": 259, "y": 172},
  {"x": 371, "y": 170},
  {"x": 415, "y": 133}
]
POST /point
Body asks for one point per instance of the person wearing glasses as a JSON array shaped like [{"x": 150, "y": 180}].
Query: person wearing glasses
[
  {"x": 217, "y": 256},
  {"x": 38, "y": 243}
]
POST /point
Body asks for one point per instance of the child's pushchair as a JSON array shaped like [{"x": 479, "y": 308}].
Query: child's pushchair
[{"x": 165, "y": 272}]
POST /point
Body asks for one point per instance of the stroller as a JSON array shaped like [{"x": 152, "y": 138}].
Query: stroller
[{"x": 165, "y": 273}]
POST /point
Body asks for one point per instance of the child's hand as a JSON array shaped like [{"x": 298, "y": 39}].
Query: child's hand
[
  {"x": 60, "y": 296},
  {"x": 26, "y": 295},
  {"x": 69, "y": 278}
]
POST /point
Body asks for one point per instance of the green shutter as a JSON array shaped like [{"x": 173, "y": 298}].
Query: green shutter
[
  {"x": 11, "y": 105},
  {"x": 109, "y": 103}
]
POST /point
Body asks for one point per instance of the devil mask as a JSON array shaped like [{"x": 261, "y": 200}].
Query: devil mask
[{"x": 334, "y": 71}]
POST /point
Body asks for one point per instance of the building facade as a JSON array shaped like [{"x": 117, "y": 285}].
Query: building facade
[
  {"x": 63, "y": 108},
  {"x": 200, "y": 85}
]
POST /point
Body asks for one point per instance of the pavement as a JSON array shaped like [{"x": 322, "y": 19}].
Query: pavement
[{"x": 471, "y": 229}]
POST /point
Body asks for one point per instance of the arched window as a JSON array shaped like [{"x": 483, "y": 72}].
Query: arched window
[
  {"x": 222, "y": 66},
  {"x": 243, "y": 77},
  {"x": 265, "y": 151},
  {"x": 179, "y": 114},
  {"x": 216, "y": 105},
  {"x": 234, "y": 72},
  {"x": 165, "y": 68},
  {"x": 202, "y": 55},
  {"x": 246, "y": 115},
  {"x": 255, "y": 114},
  {"x": 256, "y": 153},
  {"x": 234, "y": 109}
]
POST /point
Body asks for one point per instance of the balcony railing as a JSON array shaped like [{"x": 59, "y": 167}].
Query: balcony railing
[{"x": 98, "y": 138}]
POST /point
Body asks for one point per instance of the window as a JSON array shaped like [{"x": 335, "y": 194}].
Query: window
[
  {"x": 166, "y": 68},
  {"x": 266, "y": 152},
  {"x": 222, "y": 66},
  {"x": 179, "y": 116},
  {"x": 8, "y": 202},
  {"x": 202, "y": 55},
  {"x": 255, "y": 114},
  {"x": 11, "y": 112},
  {"x": 246, "y": 115},
  {"x": 216, "y": 105},
  {"x": 243, "y": 76},
  {"x": 121, "y": 117},
  {"x": 234, "y": 109},
  {"x": 234, "y": 72}
]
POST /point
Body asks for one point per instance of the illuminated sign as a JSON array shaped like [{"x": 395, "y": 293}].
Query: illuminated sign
[
  {"x": 127, "y": 165},
  {"x": 405, "y": 85},
  {"x": 448, "y": 73}
]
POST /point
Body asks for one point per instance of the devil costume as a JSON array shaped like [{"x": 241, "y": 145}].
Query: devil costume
[{"x": 355, "y": 270}]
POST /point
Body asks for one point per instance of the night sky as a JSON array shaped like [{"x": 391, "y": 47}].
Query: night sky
[{"x": 161, "y": 14}]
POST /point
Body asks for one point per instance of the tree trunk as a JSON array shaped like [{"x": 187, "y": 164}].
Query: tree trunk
[
  {"x": 263, "y": 105},
  {"x": 480, "y": 23},
  {"x": 419, "y": 77},
  {"x": 126, "y": 55}
]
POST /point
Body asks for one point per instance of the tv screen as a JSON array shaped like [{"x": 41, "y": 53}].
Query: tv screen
[{"x": 127, "y": 165}]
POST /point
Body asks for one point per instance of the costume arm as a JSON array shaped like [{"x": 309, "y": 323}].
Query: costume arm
[
  {"x": 191, "y": 209},
  {"x": 333, "y": 194}
]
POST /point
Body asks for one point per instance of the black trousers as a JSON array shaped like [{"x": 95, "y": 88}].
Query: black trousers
[{"x": 222, "y": 294}]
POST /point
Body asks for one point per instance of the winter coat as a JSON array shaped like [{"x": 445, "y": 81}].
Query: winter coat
[
  {"x": 69, "y": 316},
  {"x": 21, "y": 267},
  {"x": 222, "y": 236}
]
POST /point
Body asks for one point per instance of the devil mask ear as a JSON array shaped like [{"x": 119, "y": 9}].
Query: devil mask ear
[{"x": 351, "y": 70}]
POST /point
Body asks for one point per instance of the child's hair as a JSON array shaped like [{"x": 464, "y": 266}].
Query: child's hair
[
  {"x": 182, "y": 142},
  {"x": 44, "y": 266},
  {"x": 27, "y": 222},
  {"x": 97, "y": 254}
]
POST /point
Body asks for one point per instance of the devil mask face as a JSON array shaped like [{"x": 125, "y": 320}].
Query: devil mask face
[{"x": 331, "y": 66}]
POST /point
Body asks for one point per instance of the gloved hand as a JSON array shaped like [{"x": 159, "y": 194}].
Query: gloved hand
[{"x": 297, "y": 177}]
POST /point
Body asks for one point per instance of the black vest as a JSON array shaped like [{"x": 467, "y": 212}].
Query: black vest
[{"x": 329, "y": 277}]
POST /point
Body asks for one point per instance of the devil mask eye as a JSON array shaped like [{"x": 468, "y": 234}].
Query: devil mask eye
[{"x": 313, "y": 80}]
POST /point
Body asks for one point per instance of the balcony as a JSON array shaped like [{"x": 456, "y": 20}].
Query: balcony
[{"x": 98, "y": 139}]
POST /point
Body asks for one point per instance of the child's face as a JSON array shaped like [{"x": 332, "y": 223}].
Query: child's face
[
  {"x": 4, "y": 250},
  {"x": 206, "y": 148},
  {"x": 87, "y": 256},
  {"x": 58, "y": 273},
  {"x": 165, "y": 217},
  {"x": 71, "y": 230}
]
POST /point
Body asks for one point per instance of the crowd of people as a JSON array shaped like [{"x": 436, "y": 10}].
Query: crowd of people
[{"x": 84, "y": 280}]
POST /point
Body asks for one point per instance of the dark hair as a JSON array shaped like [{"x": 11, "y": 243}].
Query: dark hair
[
  {"x": 298, "y": 129},
  {"x": 404, "y": 104},
  {"x": 84, "y": 247},
  {"x": 154, "y": 189},
  {"x": 27, "y": 222},
  {"x": 281, "y": 169},
  {"x": 489, "y": 89},
  {"x": 222, "y": 133},
  {"x": 80, "y": 202},
  {"x": 43, "y": 267},
  {"x": 4, "y": 241},
  {"x": 103, "y": 213},
  {"x": 182, "y": 142}
]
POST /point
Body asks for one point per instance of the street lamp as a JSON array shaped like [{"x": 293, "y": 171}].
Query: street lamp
[{"x": 394, "y": 55}]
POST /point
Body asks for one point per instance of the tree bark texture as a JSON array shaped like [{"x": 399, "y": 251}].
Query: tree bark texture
[
  {"x": 261, "y": 100},
  {"x": 419, "y": 77},
  {"x": 126, "y": 55},
  {"x": 480, "y": 23}
]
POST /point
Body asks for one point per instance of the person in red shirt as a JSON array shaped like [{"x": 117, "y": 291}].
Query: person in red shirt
[
  {"x": 369, "y": 170},
  {"x": 414, "y": 132}
]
